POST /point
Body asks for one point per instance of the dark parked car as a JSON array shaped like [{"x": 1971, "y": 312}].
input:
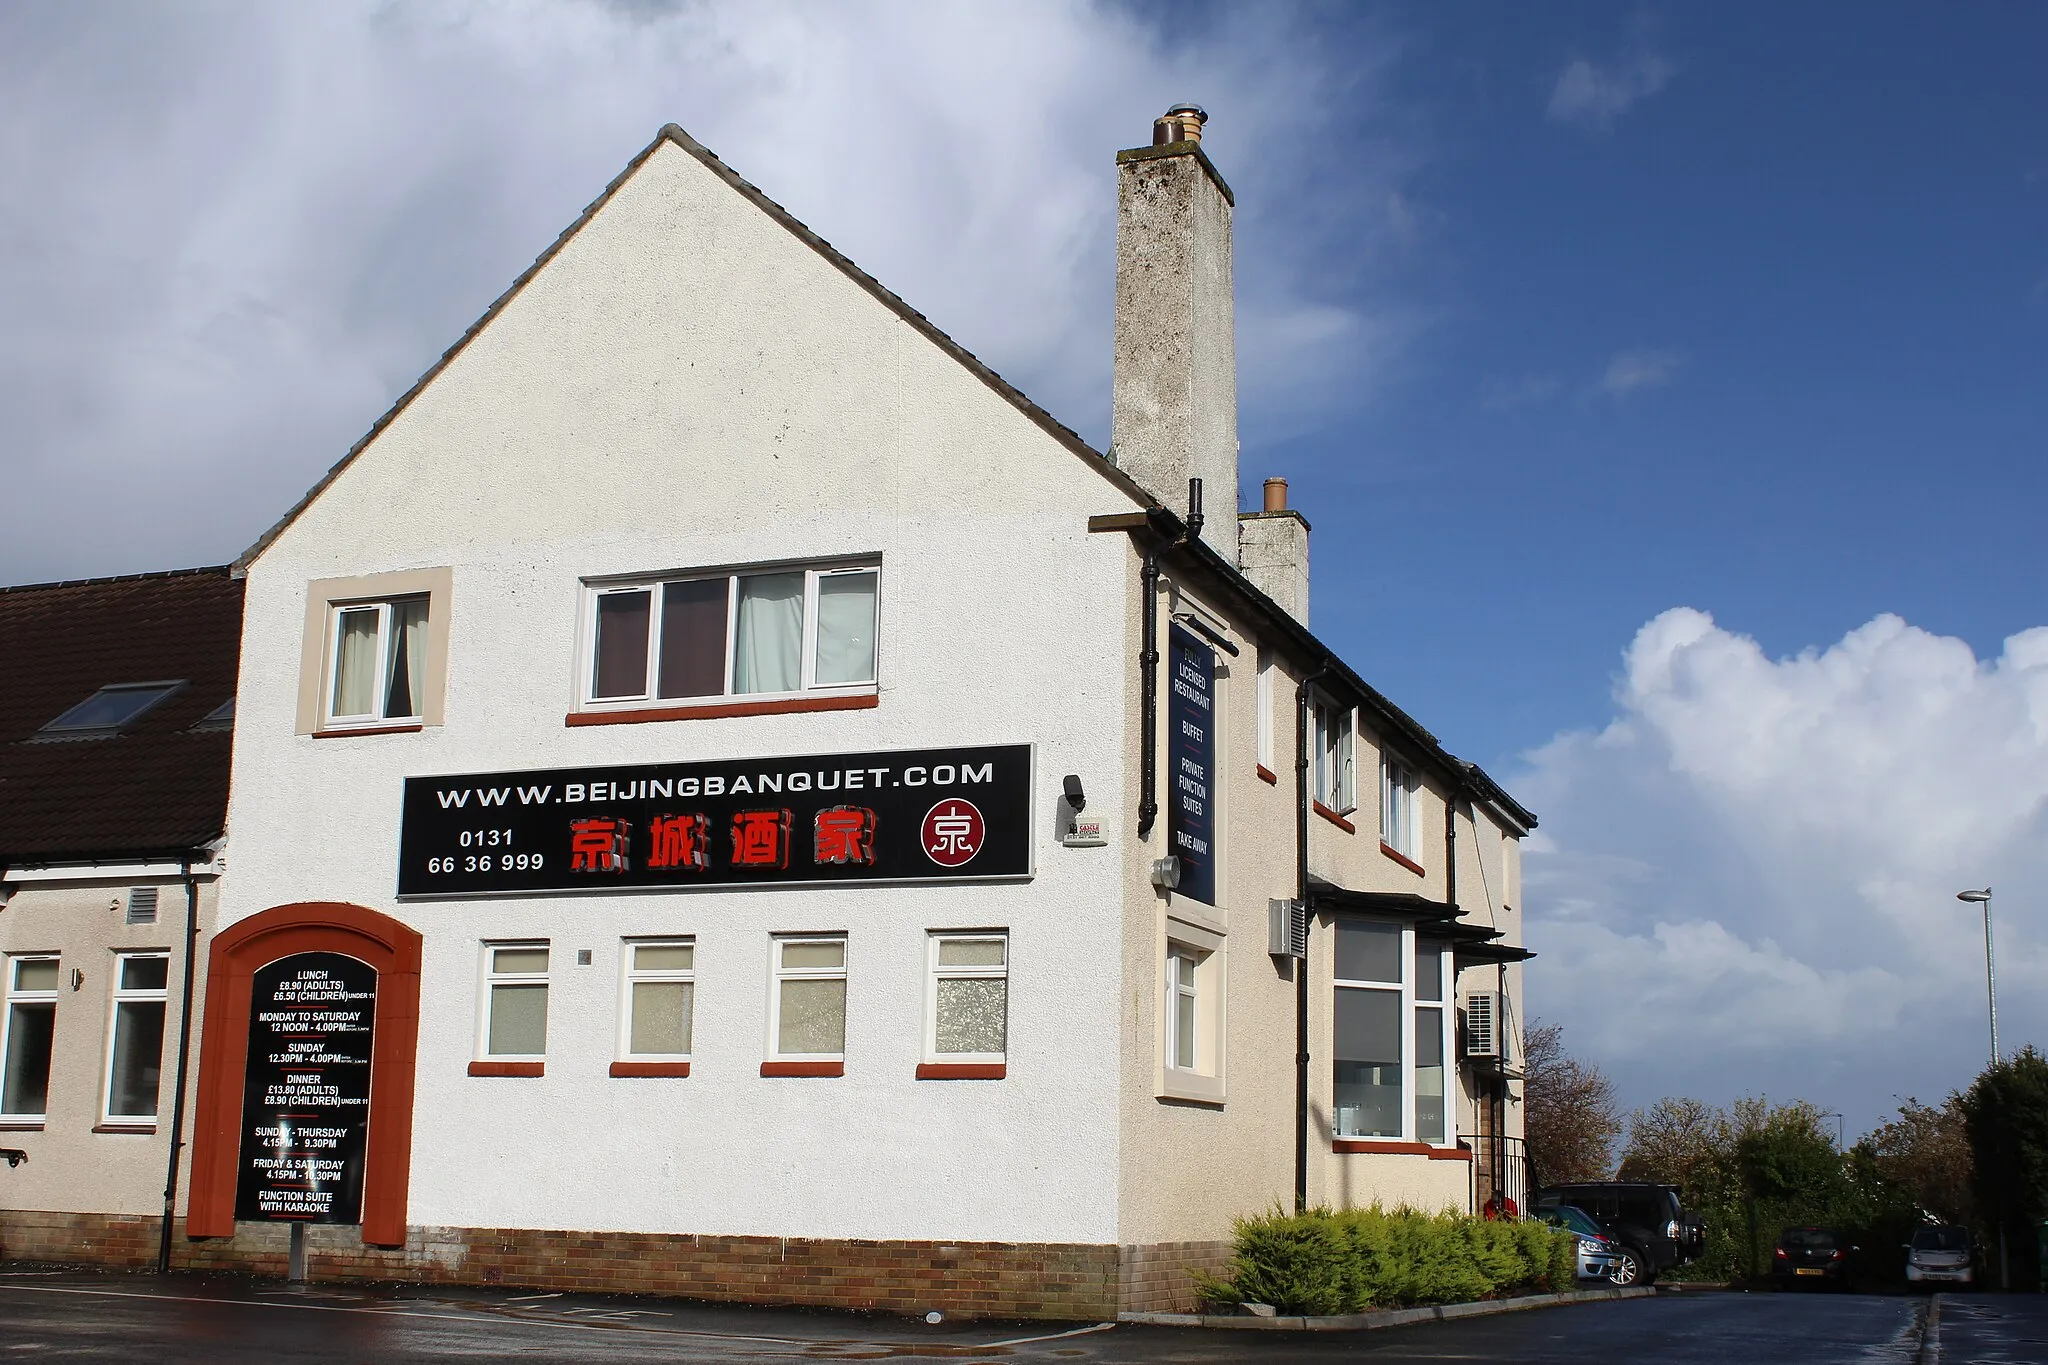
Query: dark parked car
[
  {"x": 1815, "y": 1256},
  {"x": 1655, "y": 1232}
]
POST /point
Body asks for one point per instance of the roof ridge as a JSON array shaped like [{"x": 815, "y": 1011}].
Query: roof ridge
[
  {"x": 674, "y": 133},
  {"x": 117, "y": 578}
]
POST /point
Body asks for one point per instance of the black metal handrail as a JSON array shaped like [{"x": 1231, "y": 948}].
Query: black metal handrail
[{"x": 1500, "y": 1172}]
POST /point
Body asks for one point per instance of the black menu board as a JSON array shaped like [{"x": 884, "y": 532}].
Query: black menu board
[
  {"x": 1191, "y": 749},
  {"x": 306, "y": 1090}
]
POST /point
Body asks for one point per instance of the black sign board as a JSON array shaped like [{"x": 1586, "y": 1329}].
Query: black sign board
[
  {"x": 908, "y": 815},
  {"x": 1191, "y": 759},
  {"x": 306, "y": 1090}
]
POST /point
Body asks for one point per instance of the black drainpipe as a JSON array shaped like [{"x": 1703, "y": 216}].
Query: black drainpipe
[
  {"x": 1301, "y": 704},
  {"x": 163, "y": 1250},
  {"x": 1148, "y": 667},
  {"x": 1148, "y": 691}
]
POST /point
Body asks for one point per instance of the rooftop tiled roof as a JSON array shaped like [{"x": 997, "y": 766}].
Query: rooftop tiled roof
[{"x": 156, "y": 786}]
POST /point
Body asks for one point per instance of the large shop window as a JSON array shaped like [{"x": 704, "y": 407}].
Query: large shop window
[
  {"x": 660, "y": 998},
  {"x": 1333, "y": 760},
  {"x": 1392, "y": 1035},
  {"x": 809, "y": 1005},
  {"x": 515, "y": 1023},
  {"x": 136, "y": 1041},
  {"x": 967, "y": 1011},
  {"x": 25, "y": 1037},
  {"x": 786, "y": 633},
  {"x": 1397, "y": 809}
]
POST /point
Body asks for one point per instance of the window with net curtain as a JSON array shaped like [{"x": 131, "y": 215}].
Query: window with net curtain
[
  {"x": 661, "y": 989},
  {"x": 380, "y": 661},
  {"x": 780, "y": 632},
  {"x": 970, "y": 997},
  {"x": 810, "y": 997},
  {"x": 516, "y": 1000}
]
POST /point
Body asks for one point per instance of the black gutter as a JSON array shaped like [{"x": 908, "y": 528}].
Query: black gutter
[
  {"x": 163, "y": 1250},
  {"x": 1278, "y": 622},
  {"x": 1302, "y": 892},
  {"x": 1148, "y": 692}
]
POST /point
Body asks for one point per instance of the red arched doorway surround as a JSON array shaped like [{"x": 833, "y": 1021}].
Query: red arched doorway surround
[{"x": 238, "y": 951}]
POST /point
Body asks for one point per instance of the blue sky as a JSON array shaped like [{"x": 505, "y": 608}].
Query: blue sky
[
  {"x": 1664, "y": 383},
  {"x": 1823, "y": 234}
]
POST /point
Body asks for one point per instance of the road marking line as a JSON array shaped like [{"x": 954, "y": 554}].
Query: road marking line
[
  {"x": 476, "y": 1319},
  {"x": 1051, "y": 1336},
  {"x": 528, "y": 1298}
]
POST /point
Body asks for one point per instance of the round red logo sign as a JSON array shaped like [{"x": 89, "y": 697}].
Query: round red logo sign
[{"x": 952, "y": 832}]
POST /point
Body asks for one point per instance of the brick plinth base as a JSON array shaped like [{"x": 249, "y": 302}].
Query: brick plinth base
[
  {"x": 1067, "y": 1281},
  {"x": 1159, "y": 1279}
]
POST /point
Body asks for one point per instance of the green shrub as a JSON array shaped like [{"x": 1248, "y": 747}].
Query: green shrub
[{"x": 1356, "y": 1260}]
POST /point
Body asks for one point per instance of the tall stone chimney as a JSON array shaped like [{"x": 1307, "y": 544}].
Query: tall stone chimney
[
  {"x": 1273, "y": 546},
  {"x": 1173, "y": 413}
]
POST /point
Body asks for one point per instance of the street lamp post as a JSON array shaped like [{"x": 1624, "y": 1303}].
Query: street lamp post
[{"x": 1983, "y": 898}]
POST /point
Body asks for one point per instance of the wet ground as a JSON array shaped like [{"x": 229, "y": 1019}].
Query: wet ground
[
  {"x": 80, "y": 1315},
  {"x": 1993, "y": 1329}
]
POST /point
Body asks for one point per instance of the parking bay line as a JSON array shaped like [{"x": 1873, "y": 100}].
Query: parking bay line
[{"x": 477, "y": 1318}]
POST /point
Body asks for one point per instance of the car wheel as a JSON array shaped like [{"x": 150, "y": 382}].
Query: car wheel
[{"x": 1628, "y": 1269}]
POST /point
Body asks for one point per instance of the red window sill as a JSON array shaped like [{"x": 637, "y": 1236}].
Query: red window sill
[
  {"x": 1450, "y": 1154},
  {"x": 803, "y": 1068},
  {"x": 1403, "y": 859},
  {"x": 1339, "y": 821},
  {"x": 650, "y": 1068},
  {"x": 962, "y": 1071},
  {"x": 1266, "y": 774},
  {"x": 720, "y": 709},
  {"x": 508, "y": 1068},
  {"x": 145, "y": 1129},
  {"x": 347, "y": 731}
]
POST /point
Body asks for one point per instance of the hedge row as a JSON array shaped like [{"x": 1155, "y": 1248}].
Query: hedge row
[{"x": 1358, "y": 1260}]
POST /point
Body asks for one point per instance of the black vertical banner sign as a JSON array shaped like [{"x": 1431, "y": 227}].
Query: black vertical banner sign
[
  {"x": 306, "y": 1090},
  {"x": 1191, "y": 760}
]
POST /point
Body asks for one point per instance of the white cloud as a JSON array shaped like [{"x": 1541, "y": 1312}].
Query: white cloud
[
  {"x": 1629, "y": 371},
  {"x": 1591, "y": 95},
  {"x": 234, "y": 232},
  {"x": 1746, "y": 880}
]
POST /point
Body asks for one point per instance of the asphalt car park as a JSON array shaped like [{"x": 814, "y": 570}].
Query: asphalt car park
[{"x": 73, "y": 1315}]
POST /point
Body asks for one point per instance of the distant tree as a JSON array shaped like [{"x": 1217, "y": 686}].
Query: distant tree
[
  {"x": 1569, "y": 1112},
  {"x": 2006, "y": 1114},
  {"x": 1921, "y": 1161},
  {"x": 1682, "y": 1142}
]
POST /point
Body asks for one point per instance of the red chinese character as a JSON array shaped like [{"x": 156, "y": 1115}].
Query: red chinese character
[
  {"x": 681, "y": 842},
  {"x": 599, "y": 845},
  {"x": 760, "y": 838},
  {"x": 844, "y": 834}
]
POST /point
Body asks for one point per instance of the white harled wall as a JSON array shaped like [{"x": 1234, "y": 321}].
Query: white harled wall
[{"x": 688, "y": 384}]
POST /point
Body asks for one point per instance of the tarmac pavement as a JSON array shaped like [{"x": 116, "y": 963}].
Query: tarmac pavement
[{"x": 49, "y": 1314}]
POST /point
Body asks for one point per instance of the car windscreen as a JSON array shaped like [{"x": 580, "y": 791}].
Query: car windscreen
[
  {"x": 1807, "y": 1239},
  {"x": 1942, "y": 1239},
  {"x": 1565, "y": 1216}
]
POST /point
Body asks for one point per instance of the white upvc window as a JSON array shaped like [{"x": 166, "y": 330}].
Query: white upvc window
[
  {"x": 800, "y": 630},
  {"x": 135, "y": 1038},
  {"x": 1264, "y": 701},
  {"x": 1392, "y": 1035},
  {"x": 807, "y": 1009},
  {"x": 26, "y": 1032},
  {"x": 1333, "y": 760},
  {"x": 379, "y": 654},
  {"x": 1184, "y": 1007},
  {"x": 1398, "y": 824},
  {"x": 967, "y": 1000},
  {"x": 659, "y": 999},
  {"x": 513, "y": 1020}
]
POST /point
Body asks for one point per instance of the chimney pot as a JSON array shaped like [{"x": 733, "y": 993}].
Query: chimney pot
[
  {"x": 1182, "y": 123},
  {"x": 1276, "y": 495}
]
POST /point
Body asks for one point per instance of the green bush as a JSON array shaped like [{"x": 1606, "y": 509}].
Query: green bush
[{"x": 1356, "y": 1260}]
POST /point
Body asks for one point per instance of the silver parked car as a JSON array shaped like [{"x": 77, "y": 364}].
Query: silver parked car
[
  {"x": 1940, "y": 1255},
  {"x": 1598, "y": 1253}
]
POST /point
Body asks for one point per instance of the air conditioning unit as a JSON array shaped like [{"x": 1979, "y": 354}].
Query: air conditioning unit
[
  {"x": 1286, "y": 929},
  {"x": 1483, "y": 1025}
]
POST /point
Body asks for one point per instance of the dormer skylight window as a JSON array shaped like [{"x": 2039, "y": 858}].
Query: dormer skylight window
[
  {"x": 109, "y": 710},
  {"x": 221, "y": 717}
]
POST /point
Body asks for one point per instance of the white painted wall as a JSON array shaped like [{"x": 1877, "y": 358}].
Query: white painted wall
[{"x": 688, "y": 384}]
